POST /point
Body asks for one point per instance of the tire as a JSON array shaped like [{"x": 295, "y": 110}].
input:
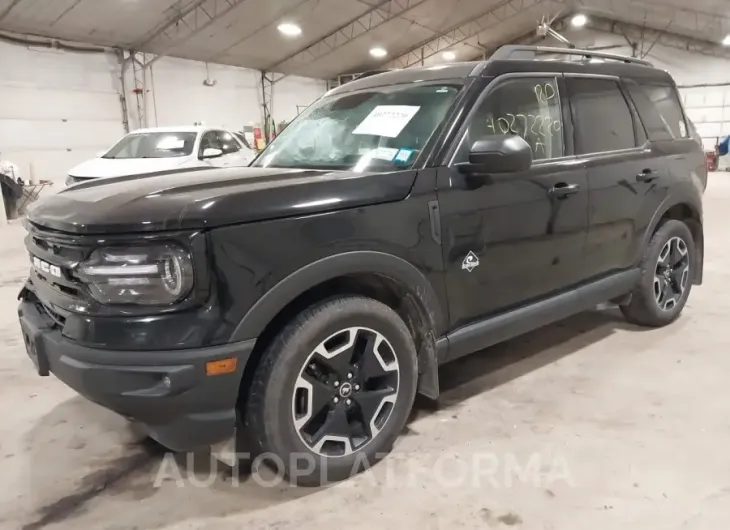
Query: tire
[
  {"x": 283, "y": 419},
  {"x": 647, "y": 308}
]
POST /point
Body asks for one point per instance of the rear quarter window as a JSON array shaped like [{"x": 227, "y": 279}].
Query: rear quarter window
[{"x": 660, "y": 110}]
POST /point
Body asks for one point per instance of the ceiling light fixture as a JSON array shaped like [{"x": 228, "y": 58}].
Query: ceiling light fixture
[
  {"x": 378, "y": 52},
  {"x": 449, "y": 56},
  {"x": 726, "y": 40},
  {"x": 289, "y": 29},
  {"x": 578, "y": 21}
]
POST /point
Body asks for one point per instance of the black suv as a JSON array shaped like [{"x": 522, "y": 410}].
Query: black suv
[{"x": 402, "y": 221}]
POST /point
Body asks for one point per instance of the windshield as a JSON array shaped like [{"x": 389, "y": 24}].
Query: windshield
[
  {"x": 153, "y": 145},
  {"x": 383, "y": 128}
]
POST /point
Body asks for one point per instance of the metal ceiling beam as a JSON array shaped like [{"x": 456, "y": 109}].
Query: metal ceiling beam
[
  {"x": 635, "y": 33},
  {"x": 168, "y": 23},
  {"x": 530, "y": 38},
  {"x": 370, "y": 20},
  {"x": 191, "y": 21},
  {"x": 212, "y": 58},
  {"x": 458, "y": 34},
  {"x": 691, "y": 20}
]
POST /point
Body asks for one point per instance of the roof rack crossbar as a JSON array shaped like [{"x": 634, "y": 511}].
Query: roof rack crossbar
[{"x": 516, "y": 51}]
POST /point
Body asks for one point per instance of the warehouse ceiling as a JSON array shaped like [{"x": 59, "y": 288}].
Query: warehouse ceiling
[{"x": 337, "y": 35}]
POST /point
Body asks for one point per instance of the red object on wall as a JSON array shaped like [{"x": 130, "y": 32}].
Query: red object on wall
[
  {"x": 711, "y": 158},
  {"x": 258, "y": 138}
]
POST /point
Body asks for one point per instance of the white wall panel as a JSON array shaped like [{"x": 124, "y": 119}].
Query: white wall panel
[
  {"x": 59, "y": 108},
  {"x": 295, "y": 92},
  {"x": 56, "y": 108},
  {"x": 178, "y": 95}
]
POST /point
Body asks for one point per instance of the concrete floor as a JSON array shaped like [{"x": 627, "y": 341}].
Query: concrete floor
[{"x": 587, "y": 424}]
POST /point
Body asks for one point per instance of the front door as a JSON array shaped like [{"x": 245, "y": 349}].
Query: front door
[{"x": 512, "y": 238}]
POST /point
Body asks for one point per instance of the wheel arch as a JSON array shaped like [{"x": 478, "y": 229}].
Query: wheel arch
[
  {"x": 384, "y": 277},
  {"x": 690, "y": 214}
]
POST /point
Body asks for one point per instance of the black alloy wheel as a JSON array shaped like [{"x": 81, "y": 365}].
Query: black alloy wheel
[
  {"x": 671, "y": 273},
  {"x": 332, "y": 391},
  {"x": 665, "y": 283},
  {"x": 345, "y": 391}
]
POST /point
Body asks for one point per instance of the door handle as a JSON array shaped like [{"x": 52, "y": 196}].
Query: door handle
[
  {"x": 646, "y": 175},
  {"x": 562, "y": 189}
]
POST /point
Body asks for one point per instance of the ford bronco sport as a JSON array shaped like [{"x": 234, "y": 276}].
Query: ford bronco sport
[{"x": 402, "y": 221}]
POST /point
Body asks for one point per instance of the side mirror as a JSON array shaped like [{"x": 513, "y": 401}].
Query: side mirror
[
  {"x": 211, "y": 152},
  {"x": 499, "y": 154}
]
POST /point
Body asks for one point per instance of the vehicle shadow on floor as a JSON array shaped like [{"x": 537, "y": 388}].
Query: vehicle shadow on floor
[
  {"x": 499, "y": 364},
  {"x": 85, "y": 464}
]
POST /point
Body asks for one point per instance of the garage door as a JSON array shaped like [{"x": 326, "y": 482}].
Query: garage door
[
  {"x": 709, "y": 110},
  {"x": 56, "y": 109}
]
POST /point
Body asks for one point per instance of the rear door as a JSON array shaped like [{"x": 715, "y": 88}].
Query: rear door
[{"x": 627, "y": 174}]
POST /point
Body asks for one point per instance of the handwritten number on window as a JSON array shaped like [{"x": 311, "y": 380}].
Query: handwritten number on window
[
  {"x": 545, "y": 92},
  {"x": 537, "y": 129}
]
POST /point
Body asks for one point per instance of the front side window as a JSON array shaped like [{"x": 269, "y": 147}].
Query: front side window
[
  {"x": 153, "y": 145},
  {"x": 228, "y": 142},
  {"x": 601, "y": 116},
  {"x": 377, "y": 129},
  {"x": 209, "y": 141},
  {"x": 528, "y": 107},
  {"x": 666, "y": 102}
]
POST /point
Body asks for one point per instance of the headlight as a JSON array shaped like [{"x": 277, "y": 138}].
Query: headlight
[
  {"x": 158, "y": 275},
  {"x": 70, "y": 181}
]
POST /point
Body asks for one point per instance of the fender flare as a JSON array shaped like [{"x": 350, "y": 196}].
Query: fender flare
[{"x": 330, "y": 267}]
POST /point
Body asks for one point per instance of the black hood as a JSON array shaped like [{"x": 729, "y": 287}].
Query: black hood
[{"x": 195, "y": 199}]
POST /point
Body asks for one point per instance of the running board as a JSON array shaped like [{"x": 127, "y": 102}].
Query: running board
[{"x": 474, "y": 337}]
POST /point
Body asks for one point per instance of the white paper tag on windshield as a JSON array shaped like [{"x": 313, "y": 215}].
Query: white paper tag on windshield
[
  {"x": 171, "y": 142},
  {"x": 387, "y": 120}
]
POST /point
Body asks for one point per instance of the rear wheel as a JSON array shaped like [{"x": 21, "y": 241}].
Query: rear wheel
[
  {"x": 666, "y": 279},
  {"x": 333, "y": 391}
]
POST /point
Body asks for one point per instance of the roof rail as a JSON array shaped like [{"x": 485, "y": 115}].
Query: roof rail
[{"x": 517, "y": 52}]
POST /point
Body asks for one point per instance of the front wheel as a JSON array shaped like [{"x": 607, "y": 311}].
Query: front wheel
[
  {"x": 666, "y": 277},
  {"x": 333, "y": 390}
]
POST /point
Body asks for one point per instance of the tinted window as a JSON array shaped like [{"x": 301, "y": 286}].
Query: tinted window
[
  {"x": 656, "y": 127},
  {"x": 601, "y": 116},
  {"x": 527, "y": 107},
  {"x": 666, "y": 102}
]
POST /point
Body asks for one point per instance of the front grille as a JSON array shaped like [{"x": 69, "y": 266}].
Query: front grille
[{"x": 59, "y": 254}]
